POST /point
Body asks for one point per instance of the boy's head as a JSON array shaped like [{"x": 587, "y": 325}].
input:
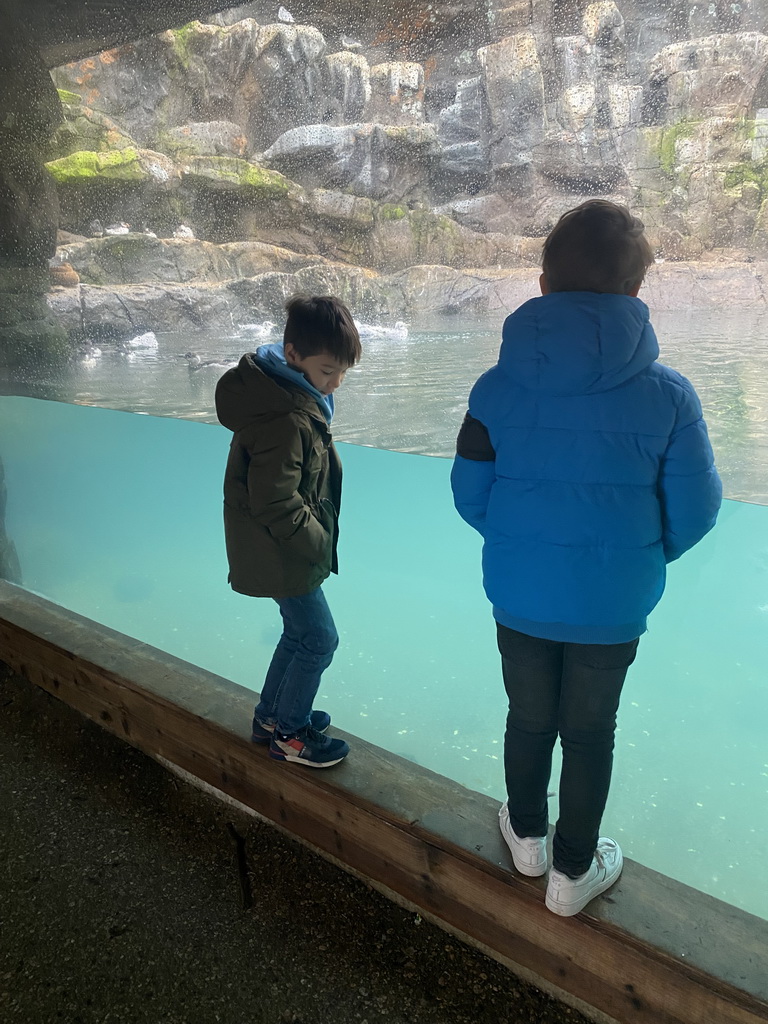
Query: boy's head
[
  {"x": 320, "y": 340},
  {"x": 598, "y": 247}
]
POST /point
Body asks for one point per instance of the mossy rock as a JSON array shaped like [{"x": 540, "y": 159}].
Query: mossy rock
[
  {"x": 182, "y": 43},
  {"x": 666, "y": 143},
  {"x": 739, "y": 175},
  {"x": 86, "y": 130},
  {"x": 436, "y": 237},
  {"x": 86, "y": 166},
  {"x": 111, "y": 260},
  {"x": 390, "y": 211},
  {"x": 254, "y": 181},
  {"x": 69, "y": 99}
]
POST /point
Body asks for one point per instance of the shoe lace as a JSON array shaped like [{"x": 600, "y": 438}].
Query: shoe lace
[{"x": 311, "y": 735}]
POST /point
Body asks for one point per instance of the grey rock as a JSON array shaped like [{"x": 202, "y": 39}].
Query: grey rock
[
  {"x": 120, "y": 311},
  {"x": 462, "y": 133},
  {"x": 514, "y": 89},
  {"x": 135, "y": 258},
  {"x": 371, "y": 160},
  {"x": 719, "y": 75},
  {"x": 479, "y": 213},
  {"x": 397, "y": 93},
  {"x": 248, "y": 259},
  {"x": 348, "y": 88},
  {"x": 353, "y": 212},
  {"x": 207, "y": 138}
]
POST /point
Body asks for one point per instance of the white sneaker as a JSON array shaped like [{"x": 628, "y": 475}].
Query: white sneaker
[
  {"x": 530, "y": 854},
  {"x": 567, "y": 896}
]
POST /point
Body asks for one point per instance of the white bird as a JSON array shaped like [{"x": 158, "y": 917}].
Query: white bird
[
  {"x": 149, "y": 234},
  {"x": 399, "y": 332},
  {"x": 146, "y": 340},
  {"x": 349, "y": 43},
  {"x": 284, "y": 15},
  {"x": 182, "y": 231},
  {"x": 117, "y": 229},
  {"x": 262, "y": 330},
  {"x": 196, "y": 363}
]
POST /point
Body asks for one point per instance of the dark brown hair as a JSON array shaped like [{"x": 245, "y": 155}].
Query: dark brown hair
[
  {"x": 318, "y": 324},
  {"x": 597, "y": 247}
]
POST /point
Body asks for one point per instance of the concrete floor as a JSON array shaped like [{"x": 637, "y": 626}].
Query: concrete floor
[{"x": 128, "y": 896}]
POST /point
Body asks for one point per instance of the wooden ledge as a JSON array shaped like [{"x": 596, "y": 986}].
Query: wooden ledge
[{"x": 652, "y": 951}]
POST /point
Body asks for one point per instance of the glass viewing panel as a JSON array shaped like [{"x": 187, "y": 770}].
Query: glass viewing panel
[{"x": 412, "y": 166}]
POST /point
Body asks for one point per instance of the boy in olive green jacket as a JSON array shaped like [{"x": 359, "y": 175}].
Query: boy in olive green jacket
[{"x": 282, "y": 494}]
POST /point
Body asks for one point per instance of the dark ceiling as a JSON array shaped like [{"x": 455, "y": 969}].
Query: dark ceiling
[{"x": 67, "y": 30}]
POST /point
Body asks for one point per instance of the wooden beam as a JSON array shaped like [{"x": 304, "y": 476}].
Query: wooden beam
[{"x": 653, "y": 952}]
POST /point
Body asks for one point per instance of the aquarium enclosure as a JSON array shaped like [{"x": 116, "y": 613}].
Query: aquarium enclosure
[{"x": 169, "y": 193}]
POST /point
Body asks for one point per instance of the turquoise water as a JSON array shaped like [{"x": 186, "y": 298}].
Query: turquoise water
[
  {"x": 411, "y": 395},
  {"x": 118, "y": 517}
]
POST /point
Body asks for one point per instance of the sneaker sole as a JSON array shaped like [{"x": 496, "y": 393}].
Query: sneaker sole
[
  {"x": 569, "y": 909},
  {"x": 305, "y": 762}
]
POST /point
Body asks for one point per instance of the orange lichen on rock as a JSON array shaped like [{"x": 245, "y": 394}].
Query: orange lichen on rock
[{"x": 64, "y": 275}]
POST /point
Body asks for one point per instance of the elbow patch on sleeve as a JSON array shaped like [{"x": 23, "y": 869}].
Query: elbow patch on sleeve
[{"x": 473, "y": 441}]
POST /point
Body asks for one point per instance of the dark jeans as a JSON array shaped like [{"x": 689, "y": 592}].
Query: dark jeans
[
  {"x": 303, "y": 653},
  {"x": 573, "y": 690}
]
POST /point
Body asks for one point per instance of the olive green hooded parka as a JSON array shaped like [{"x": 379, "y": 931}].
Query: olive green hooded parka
[{"x": 282, "y": 486}]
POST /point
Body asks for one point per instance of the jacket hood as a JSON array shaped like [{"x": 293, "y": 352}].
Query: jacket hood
[
  {"x": 247, "y": 393},
  {"x": 577, "y": 343},
  {"x": 271, "y": 358}
]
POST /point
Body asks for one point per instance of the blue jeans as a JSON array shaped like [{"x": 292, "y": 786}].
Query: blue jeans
[
  {"x": 572, "y": 690},
  {"x": 303, "y": 653}
]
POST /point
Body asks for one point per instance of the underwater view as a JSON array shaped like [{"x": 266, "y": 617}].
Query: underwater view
[{"x": 118, "y": 517}]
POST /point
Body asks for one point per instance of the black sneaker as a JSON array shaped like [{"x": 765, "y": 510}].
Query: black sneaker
[{"x": 308, "y": 747}]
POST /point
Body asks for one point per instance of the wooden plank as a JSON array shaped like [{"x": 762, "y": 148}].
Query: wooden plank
[{"x": 595, "y": 960}]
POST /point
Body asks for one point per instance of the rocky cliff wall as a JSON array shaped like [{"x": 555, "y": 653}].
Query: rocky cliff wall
[
  {"x": 423, "y": 134},
  {"x": 500, "y": 138}
]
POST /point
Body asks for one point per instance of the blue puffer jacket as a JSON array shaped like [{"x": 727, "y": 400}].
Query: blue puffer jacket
[{"x": 586, "y": 467}]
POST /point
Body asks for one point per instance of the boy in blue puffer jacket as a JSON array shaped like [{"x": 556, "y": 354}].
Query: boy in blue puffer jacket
[{"x": 586, "y": 466}]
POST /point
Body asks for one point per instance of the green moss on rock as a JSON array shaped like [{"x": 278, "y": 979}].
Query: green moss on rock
[
  {"x": 182, "y": 42},
  {"x": 180, "y": 150},
  {"x": 666, "y": 143},
  {"x": 389, "y": 211},
  {"x": 738, "y": 175},
  {"x": 71, "y": 98},
  {"x": 237, "y": 173},
  {"x": 85, "y": 166}
]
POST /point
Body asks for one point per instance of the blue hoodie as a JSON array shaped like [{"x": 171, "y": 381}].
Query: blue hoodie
[
  {"x": 595, "y": 471},
  {"x": 271, "y": 358}
]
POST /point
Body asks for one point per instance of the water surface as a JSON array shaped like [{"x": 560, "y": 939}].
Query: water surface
[{"x": 411, "y": 395}]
